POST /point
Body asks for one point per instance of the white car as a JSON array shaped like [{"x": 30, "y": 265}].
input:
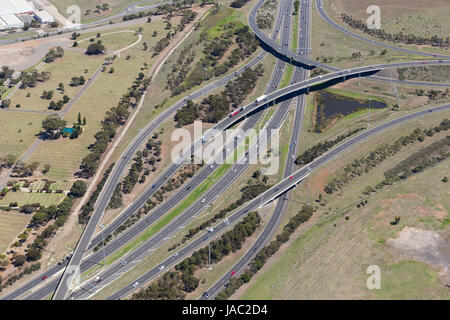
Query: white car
[
  {"x": 135, "y": 284},
  {"x": 161, "y": 268},
  {"x": 226, "y": 221},
  {"x": 203, "y": 201},
  {"x": 210, "y": 229},
  {"x": 175, "y": 254},
  {"x": 97, "y": 279}
]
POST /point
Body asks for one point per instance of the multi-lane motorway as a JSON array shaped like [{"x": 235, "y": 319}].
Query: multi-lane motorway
[{"x": 115, "y": 176}]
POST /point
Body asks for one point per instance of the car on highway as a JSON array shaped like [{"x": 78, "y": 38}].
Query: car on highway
[
  {"x": 97, "y": 279},
  {"x": 135, "y": 284},
  {"x": 226, "y": 221},
  {"x": 161, "y": 268},
  {"x": 206, "y": 294},
  {"x": 233, "y": 273},
  {"x": 291, "y": 177},
  {"x": 210, "y": 229},
  {"x": 44, "y": 277},
  {"x": 175, "y": 254},
  {"x": 123, "y": 262},
  {"x": 203, "y": 201}
]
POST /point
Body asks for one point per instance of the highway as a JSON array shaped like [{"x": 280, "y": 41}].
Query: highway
[
  {"x": 119, "y": 170},
  {"x": 323, "y": 78},
  {"x": 304, "y": 40},
  {"x": 272, "y": 194},
  {"x": 166, "y": 206}
]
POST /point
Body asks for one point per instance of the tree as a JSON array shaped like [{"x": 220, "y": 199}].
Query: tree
[
  {"x": 10, "y": 160},
  {"x": 53, "y": 125},
  {"x": 95, "y": 48},
  {"x": 6, "y": 103},
  {"x": 78, "y": 189},
  {"x": 33, "y": 254},
  {"x": 84, "y": 121},
  {"x": 79, "y": 118}
]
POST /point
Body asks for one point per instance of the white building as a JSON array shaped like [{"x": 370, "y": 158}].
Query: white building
[
  {"x": 44, "y": 17},
  {"x": 12, "y": 21},
  {"x": 8, "y": 7}
]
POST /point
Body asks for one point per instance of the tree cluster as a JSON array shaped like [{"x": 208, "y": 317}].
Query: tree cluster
[
  {"x": 215, "y": 107},
  {"x": 364, "y": 164},
  {"x": 322, "y": 147},
  {"x": 54, "y": 54},
  {"x": 175, "y": 284}
]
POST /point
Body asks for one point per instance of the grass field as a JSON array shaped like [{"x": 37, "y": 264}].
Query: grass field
[
  {"x": 22, "y": 198},
  {"x": 12, "y": 223},
  {"x": 410, "y": 17},
  {"x": 328, "y": 258},
  {"x": 111, "y": 40},
  {"x": 18, "y": 131},
  {"x": 73, "y": 64}
]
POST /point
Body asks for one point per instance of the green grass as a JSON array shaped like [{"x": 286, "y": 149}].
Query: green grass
[
  {"x": 18, "y": 131},
  {"x": 355, "y": 95}
]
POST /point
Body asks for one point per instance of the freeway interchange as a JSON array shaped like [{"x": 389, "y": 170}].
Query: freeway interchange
[{"x": 300, "y": 85}]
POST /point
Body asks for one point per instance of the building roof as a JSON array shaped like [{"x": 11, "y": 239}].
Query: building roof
[{"x": 44, "y": 15}]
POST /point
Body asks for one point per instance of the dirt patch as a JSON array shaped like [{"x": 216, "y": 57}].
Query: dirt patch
[
  {"x": 426, "y": 246},
  {"x": 24, "y": 55}
]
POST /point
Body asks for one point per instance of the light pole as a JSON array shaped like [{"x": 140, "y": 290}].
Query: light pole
[
  {"x": 104, "y": 255},
  {"x": 308, "y": 186},
  {"x": 368, "y": 115},
  {"x": 204, "y": 78},
  {"x": 209, "y": 254}
]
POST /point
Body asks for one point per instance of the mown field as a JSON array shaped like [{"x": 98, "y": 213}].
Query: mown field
[
  {"x": 18, "y": 131},
  {"x": 328, "y": 257},
  {"x": 22, "y": 198}
]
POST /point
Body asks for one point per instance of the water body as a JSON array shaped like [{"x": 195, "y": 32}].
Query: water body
[{"x": 331, "y": 106}]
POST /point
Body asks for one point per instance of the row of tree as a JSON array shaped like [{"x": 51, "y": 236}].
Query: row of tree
[
  {"x": 248, "y": 192},
  {"x": 115, "y": 117},
  {"x": 364, "y": 164},
  {"x": 175, "y": 284},
  {"x": 322, "y": 147}
]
